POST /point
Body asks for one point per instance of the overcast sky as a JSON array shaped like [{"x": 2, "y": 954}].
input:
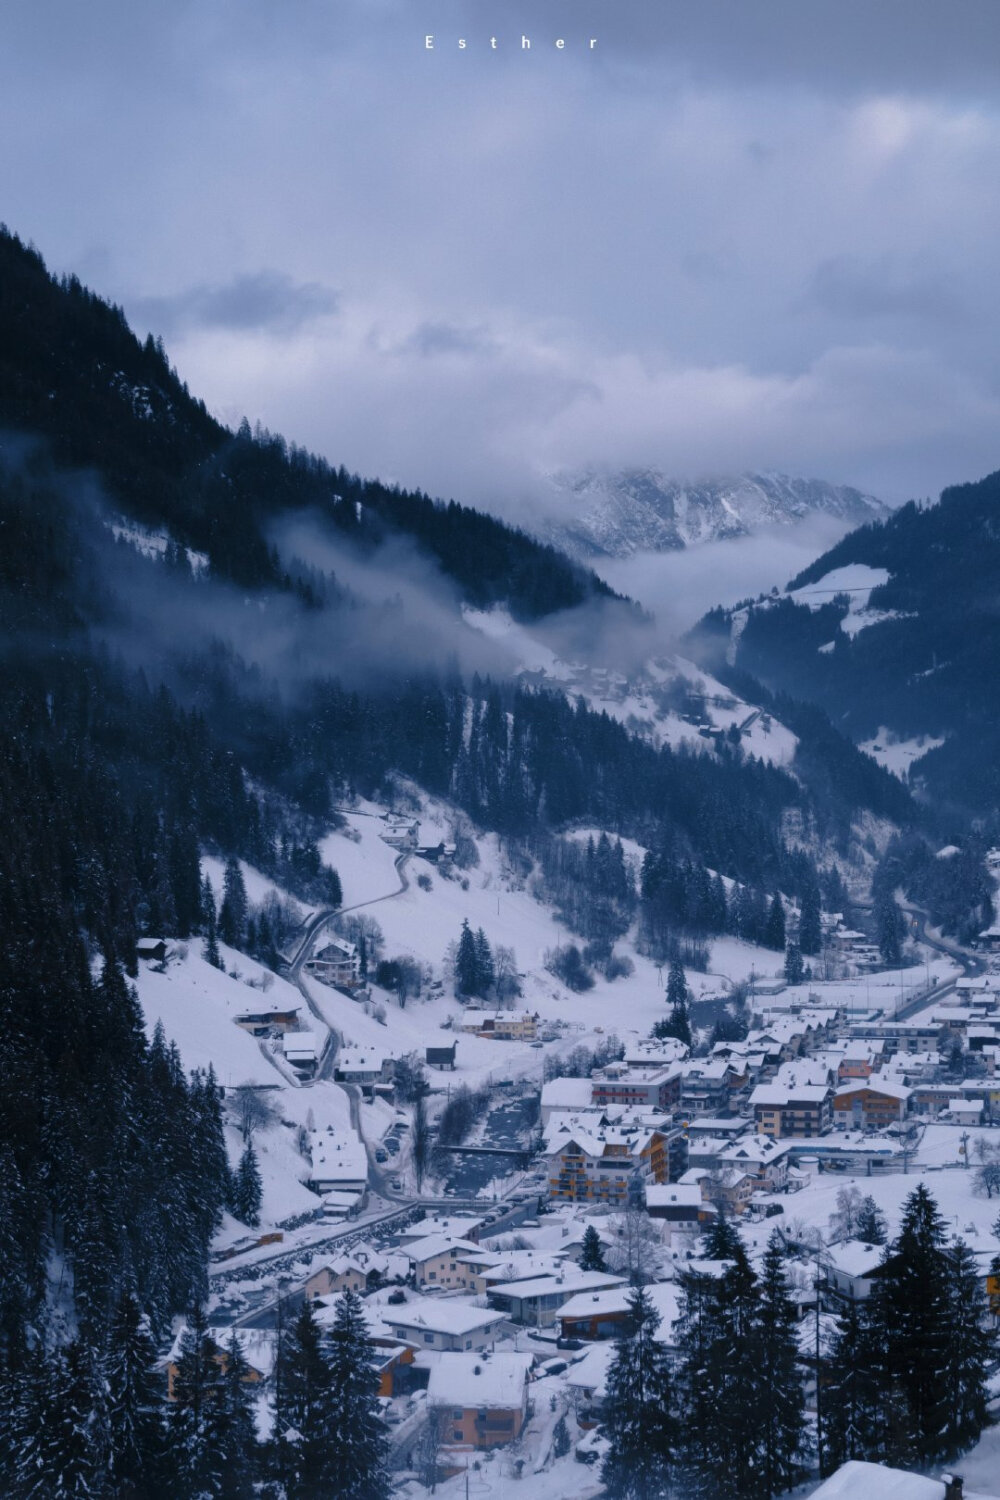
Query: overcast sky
[{"x": 736, "y": 234}]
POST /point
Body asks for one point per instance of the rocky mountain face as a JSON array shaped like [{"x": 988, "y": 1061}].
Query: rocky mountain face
[{"x": 642, "y": 510}]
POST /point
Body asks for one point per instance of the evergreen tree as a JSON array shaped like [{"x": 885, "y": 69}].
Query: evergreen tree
[
  {"x": 870, "y": 1224},
  {"x": 781, "y": 1412},
  {"x": 592, "y": 1254},
  {"x": 232, "y": 1435},
  {"x": 135, "y": 1417},
  {"x": 722, "y": 1241},
  {"x": 234, "y": 908},
  {"x": 192, "y": 1454},
  {"x": 888, "y": 926},
  {"x": 64, "y": 1439},
  {"x": 485, "y": 972},
  {"x": 968, "y": 1354},
  {"x": 302, "y": 1407},
  {"x": 795, "y": 969},
  {"x": 639, "y": 1422},
  {"x": 852, "y": 1394},
  {"x": 248, "y": 1190},
  {"x": 912, "y": 1310},
  {"x": 677, "y": 990},
  {"x": 810, "y": 924},
  {"x": 356, "y": 1460},
  {"x": 466, "y": 963},
  {"x": 208, "y": 917},
  {"x": 773, "y": 935}
]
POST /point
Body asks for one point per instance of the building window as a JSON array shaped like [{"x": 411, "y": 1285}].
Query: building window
[{"x": 428, "y": 1338}]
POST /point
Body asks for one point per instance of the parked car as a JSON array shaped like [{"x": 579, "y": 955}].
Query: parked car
[
  {"x": 381, "y": 1154},
  {"x": 392, "y": 1145},
  {"x": 396, "y": 1184}
]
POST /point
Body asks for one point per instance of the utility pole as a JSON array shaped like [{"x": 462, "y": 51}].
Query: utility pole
[{"x": 819, "y": 1399}]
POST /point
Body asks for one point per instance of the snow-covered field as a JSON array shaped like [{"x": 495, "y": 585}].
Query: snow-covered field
[{"x": 898, "y": 755}]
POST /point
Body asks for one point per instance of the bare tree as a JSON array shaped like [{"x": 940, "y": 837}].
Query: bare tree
[
  {"x": 844, "y": 1219},
  {"x": 252, "y": 1110},
  {"x": 505, "y": 976},
  {"x": 635, "y": 1246}
]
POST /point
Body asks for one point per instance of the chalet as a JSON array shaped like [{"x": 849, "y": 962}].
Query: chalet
[
  {"x": 764, "y": 1159},
  {"x": 300, "y": 1049},
  {"x": 537, "y": 1302},
  {"x": 482, "y": 1399},
  {"x": 441, "y": 1057},
  {"x": 152, "y": 949},
  {"x": 257, "y": 1350},
  {"x": 705, "y": 1087},
  {"x": 592, "y": 1316},
  {"x": 587, "y": 1382},
  {"x": 871, "y": 1105},
  {"x": 338, "y": 964},
  {"x": 338, "y": 1161},
  {"x": 851, "y": 1269},
  {"x": 444, "y": 1324},
  {"x": 574, "y": 1094},
  {"x": 455, "y": 1226},
  {"x": 266, "y": 1019},
  {"x": 789, "y": 1110},
  {"x": 360, "y": 1270},
  {"x": 393, "y": 1364},
  {"x": 372, "y": 1071},
  {"x": 436, "y": 1262},
  {"x": 501, "y": 1025},
  {"x": 679, "y": 1204},
  {"x": 879, "y": 1482}
]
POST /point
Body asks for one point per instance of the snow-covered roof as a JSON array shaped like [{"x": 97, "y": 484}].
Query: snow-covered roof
[
  {"x": 664, "y": 1297},
  {"x": 777, "y": 1094},
  {"x": 567, "y": 1093},
  {"x": 442, "y": 1315},
  {"x": 874, "y": 1085},
  {"x": 437, "y": 1244},
  {"x": 665, "y": 1194},
  {"x": 466, "y": 1380},
  {"x": 862, "y": 1481},
  {"x": 855, "y": 1257},
  {"x": 566, "y": 1282}
]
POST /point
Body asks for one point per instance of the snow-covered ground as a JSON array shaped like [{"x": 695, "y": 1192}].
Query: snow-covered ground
[{"x": 898, "y": 755}]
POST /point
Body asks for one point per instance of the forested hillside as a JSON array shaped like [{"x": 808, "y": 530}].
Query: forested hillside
[{"x": 929, "y": 650}]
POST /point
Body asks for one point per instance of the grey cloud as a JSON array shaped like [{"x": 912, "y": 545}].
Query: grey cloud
[
  {"x": 847, "y": 287},
  {"x": 432, "y": 339},
  {"x": 261, "y": 301}
]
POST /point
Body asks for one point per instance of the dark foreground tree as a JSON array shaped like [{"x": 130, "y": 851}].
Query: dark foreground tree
[{"x": 638, "y": 1412}]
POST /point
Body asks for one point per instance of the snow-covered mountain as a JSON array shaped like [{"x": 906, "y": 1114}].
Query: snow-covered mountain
[{"x": 642, "y": 510}]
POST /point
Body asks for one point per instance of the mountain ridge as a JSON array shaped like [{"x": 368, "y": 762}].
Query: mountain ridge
[{"x": 642, "y": 509}]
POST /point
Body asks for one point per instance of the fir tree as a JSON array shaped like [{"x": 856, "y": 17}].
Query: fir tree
[
  {"x": 135, "y": 1417},
  {"x": 192, "y": 1455},
  {"x": 638, "y": 1417},
  {"x": 234, "y": 908},
  {"x": 231, "y": 1433},
  {"x": 911, "y": 1308},
  {"x": 870, "y": 1224},
  {"x": 64, "y": 1440},
  {"x": 773, "y": 935},
  {"x": 592, "y": 1254},
  {"x": 302, "y": 1407},
  {"x": 810, "y": 925},
  {"x": 795, "y": 969},
  {"x": 484, "y": 964},
  {"x": 466, "y": 963},
  {"x": 968, "y": 1354},
  {"x": 212, "y": 954},
  {"x": 248, "y": 1189},
  {"x": 852, "y": 1392},
  {"x": 356, "y": 1459},
  {"x": 677, "y": 990},
  {"x": 888, "y": 926},
  {"x": 781, "y": 1412}
]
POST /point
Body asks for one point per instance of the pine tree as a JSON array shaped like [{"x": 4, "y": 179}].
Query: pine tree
[
  {"x": 870, "y": 1225},
  {"x": 234, "y": 908},
  {"x": 248, "y": 1189},
  {"x": 911, "y": 1308},
  {"x": 231, "y": 1433},
  {"x": 212, "y": 954},
  {"x": 781, "y": 1412},
  {"x": 677, "y": 990},
  {"x": 795, "y": 969},
  {"x": 968, "y": 1354},
  {"x": 64, "y": 1440},
  {"x": 810, "y": 924},
  {"x": 592, "y": 1254},
  {"x": 485, "y": 972},
  {"x": 191, "y": 1450},
  {"x": 722, "y": 1241},
  {"x": 888, "y": 926},
  {"x": 356, "y": 1460},
  {"x": 852, "y": 1392},
  {"x": 302, "y": 1407},
  {"x": 135, "y": 1416},
  {"x": 773, "y": 935},
  {"x": 466, "y": 963},
  {"x": 639, "y": 1422}
]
